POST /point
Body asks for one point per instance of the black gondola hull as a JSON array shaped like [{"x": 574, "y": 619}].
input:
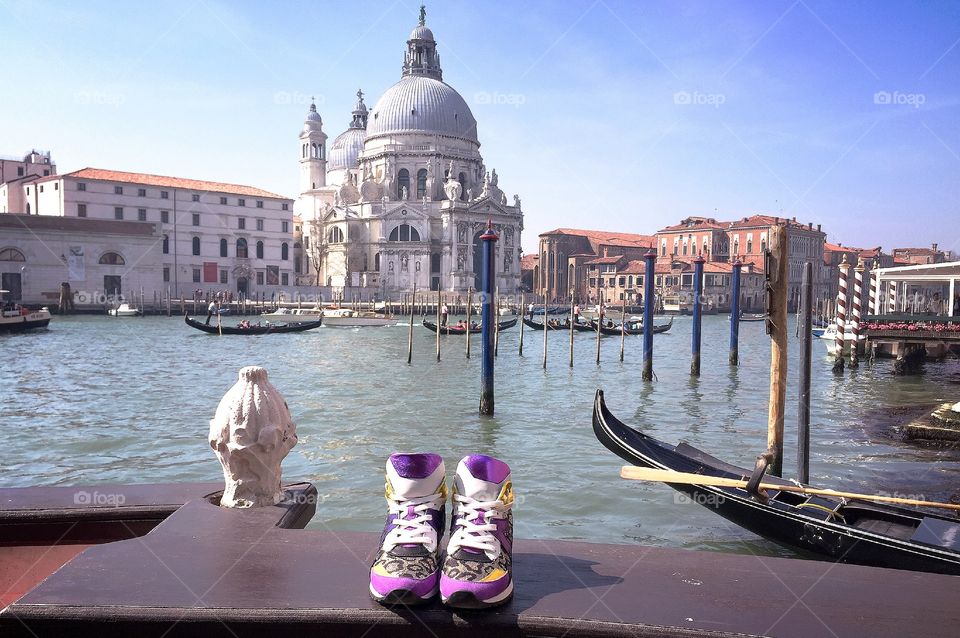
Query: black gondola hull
[
  {"x": 454, "y": 330},
  {"x": 252, "y": 330},
  {"x": 782, "y": 518}
]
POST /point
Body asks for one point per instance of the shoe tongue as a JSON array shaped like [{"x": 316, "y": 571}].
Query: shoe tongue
[
  {"x": 415, "y": 475},
  {"x": 481, "y": 477}
]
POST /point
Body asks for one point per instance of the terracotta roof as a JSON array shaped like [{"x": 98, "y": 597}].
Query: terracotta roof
[
  {"x": 607, "y": 237},
  {"x": 696, "y": 223},
  {"x": 528, "y": 262},
  {"x": 634, "y": 267},
  {"x": 759, "y": 221},
  {"x": 606, "y": 260},
  {"x": 168, "y": 182},
  {"x": 76, "y": 224},
  {"x": 916, "y": 251}
]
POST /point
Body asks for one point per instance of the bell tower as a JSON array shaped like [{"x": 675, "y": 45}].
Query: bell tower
[{"x": 313, "y": 152}]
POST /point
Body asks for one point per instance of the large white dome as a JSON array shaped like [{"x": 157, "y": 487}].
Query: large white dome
[{"x": 422, "y": 104}]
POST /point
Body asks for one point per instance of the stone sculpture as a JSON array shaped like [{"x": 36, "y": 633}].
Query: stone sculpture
[{"x": 251, "y": 433}]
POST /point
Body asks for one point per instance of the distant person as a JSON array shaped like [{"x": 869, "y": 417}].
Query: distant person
[
  {"x": 576, "y": 313},
  {"x": 212, "y": 308},
  {"x": 530, "y": 311},
  {"x": 444, "y": 313}
]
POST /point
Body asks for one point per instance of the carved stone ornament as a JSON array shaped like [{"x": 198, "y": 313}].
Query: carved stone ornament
[{"x": 251, "y": 433}]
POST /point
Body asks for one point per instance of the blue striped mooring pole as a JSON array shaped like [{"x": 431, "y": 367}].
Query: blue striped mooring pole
[
  {"x": 487, "y": 332},
  {"x": 697, "y": 315},
  {"x": 648, "y": 302},
  {"x": 735, "y": 315}
]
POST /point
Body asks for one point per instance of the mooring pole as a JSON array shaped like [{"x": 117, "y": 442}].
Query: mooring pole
[
  {"x": 489, "y": 273},
  {"x": 777, "y": 324},
  {"x": 573, "y": 318},
  {"x": 623, "y": 327},
  {"x": 469, "y": 312},
  {"x": 546, "y": 328},
  {"x": 735, "y": 314},
  {"x": 439, "y": 327},
  {"x": 648, "y": 301},
  {"x": 599, "y": 325},
  {"x": 855, "y": 347},
  {"x": 806, "y": 342},
  {"x": 523, "y": 310},
  {"x": 697, "y": 318},
  {"x": 410, "y": 332},
  {"x": 496, "y": 318}
]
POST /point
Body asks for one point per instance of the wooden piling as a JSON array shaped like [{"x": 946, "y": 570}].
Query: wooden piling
[
  {"x": 469, "y": 314},
  {"x": 806, "y": 342},
  {"x": 573, "y": 317},
  {"x": 648, "y": 302},
  {"x": 410, "y": 332},
  {"x": 734, "y": 358},
  {"x": 488, "y": 280},
  {"x": 523, "y": 310},
  {"x": 777, "y": 313},
  {"x": 545, "y": 331},
  {"x": 496, "y": 317},
  {"x": 697, "y": 315},
  {"x": 439, "y": 327},
  {"x": 599, "y": 324}
]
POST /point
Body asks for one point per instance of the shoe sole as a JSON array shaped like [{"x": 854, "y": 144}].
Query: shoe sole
[
  {"x": 402, "y": 597},
  {"x": 467, "y": 600}
]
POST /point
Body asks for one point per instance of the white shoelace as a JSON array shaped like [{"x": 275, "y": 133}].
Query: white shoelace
[
  {"x": 415, "y": 530},
  {"x": 476, "y": 535}
]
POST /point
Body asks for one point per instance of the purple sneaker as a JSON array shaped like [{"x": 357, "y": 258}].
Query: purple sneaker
[
  {"x": 477, "y": 571},
  {"x": 406, "y": 569}
]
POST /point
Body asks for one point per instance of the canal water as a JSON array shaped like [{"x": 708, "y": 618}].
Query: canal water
[{"x": 97, "y": 400}]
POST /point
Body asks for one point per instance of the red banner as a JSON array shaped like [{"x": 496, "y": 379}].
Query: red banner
[{"x": 210, "y": 272}]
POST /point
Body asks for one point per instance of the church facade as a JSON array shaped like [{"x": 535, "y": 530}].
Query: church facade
[{"x": 403, "y": 195}]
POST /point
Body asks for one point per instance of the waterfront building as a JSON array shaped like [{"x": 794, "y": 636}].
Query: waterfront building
[
  {"x": 833, "y": 256},
  {"x": 212, "y": 236},
  {"x": 15, "y": 172},
  {"x": 528, "y": 268},
  {"x": 404, "y": 194},
  {"x": 568, "y": 260},
  {"x": 919, "y": 256},
  {"x": 101, "y": 259}
]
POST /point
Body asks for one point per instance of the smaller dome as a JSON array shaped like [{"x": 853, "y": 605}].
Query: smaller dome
[
  {"x": 421, "y": 32},
  {"x": 313, "y": 122},
  {"x": 345, "y": 149},
  {"x": 312, "y": 115}
]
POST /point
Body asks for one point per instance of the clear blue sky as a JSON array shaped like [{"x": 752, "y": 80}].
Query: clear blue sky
[{"x": 613, "y": 115}]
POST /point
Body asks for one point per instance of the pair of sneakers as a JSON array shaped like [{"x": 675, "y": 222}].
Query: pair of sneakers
[{"x": 475, "y": 571}]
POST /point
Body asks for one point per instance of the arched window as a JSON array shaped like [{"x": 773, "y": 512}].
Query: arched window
[
  {"x": 421, "y": 183},
  {"x": 684, "y": 248},
  {"x": 376, "y": 262},
  {"x": 404, "y": 232},
  {"x": 259, "y": 250},
  {"x": 242, "y": 248},
  {"x": 223, "y": 247},
  {"x": 335, "y": 236},
  {"x": 284, "y": 251},
  {"x": 166, "y": 245},
  {"x": 749, "y": 246},
  {"x": 112, "y": 259},
  {"x": 403, "y": 181},
  {"x": 196, "y": 245},
  {"x": 12, "y": 254},
  {"x": 463, "y": 186}
]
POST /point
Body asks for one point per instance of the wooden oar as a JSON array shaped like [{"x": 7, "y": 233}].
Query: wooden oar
[{"x": 684, "y": 478}]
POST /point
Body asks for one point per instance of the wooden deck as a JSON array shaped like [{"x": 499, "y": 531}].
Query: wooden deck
[{"x": 210, "y": 571}]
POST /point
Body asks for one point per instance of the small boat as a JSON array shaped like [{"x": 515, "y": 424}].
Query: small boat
[
  {"x": 454, "y": 329},
  {"x": 755, "y": 316},
  {"x": 632, "y": 328},
  {"x": 17, "y": 318},
  {"x": 346, "y": 318},
  {"x": 124, "y": 310},
  {"x": 551, "y": 324},
  {"x": 255, "y": 329},
  {"x": 843, "y": 530},
  {"x": 294, "y": 315},
  {"x": 817, "y": 332}
]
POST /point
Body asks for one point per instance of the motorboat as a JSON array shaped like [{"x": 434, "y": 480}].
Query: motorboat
[
  {"x": 347, "y": 318},
  {"x": 124, "y": 310},
  {"x": 294, "y": 315},
  {"x": 17, "y": 318}
]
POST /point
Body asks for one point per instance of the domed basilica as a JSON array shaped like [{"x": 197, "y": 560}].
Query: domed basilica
[{"x": 403, "y": 195}]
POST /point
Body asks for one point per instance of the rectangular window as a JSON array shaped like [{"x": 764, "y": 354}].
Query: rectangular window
[
  {"x": 241, "y": 223},
  {"x": 141, "y": 192},
  {"x": 195, "y": 198},
  {"x": 223, "y": 276},
  {"x": 196, "y": 275},
  {"x": 285, "y": 206},
  {"x": 259, "y": 203},
  {"x": 639, "y": 281},
  {"x": 196, "y": 219},
  {"x": 41, "y": 188},
  {"x": 164, "y": 194},
  {"x": 259, "y": 277},
  {"x": 142, "y": 214},
  {"x": 56, "y": 186},
  {"x": 81, "y": 210},
  {"x": 593, "y": 282},
  {"x": 284, "y": 278},
  {"x": 623, "y": 282},
  {"x": 81, "y": 186},
  {"x": 118, "y": 190},
  {"x": 118, "y": 212},
  {"x": 19, "y": 171},
  {"x": 46, "y": 172},
  {"x": 164, "y": 217},
  {"x": 613, "y": 282},
  {"x": 284, "y": 227},
  {"x": 166, "y": 274},
  {"x": 241, "y": 202},
  {"x": 223, "y": 200},
  {"x": 259, "y": 224}
]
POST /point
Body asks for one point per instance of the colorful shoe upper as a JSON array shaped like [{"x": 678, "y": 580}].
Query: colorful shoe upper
[
  {"x": 406, "y": 567},
  {"x": 477, "y": 569}
]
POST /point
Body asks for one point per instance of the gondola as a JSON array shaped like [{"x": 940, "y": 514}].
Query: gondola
[
  {"x": 848, "y": 531},
  {"x": 453, "y": 329},
  {"x": 615, "y": 330},
  {"x": 536, "y": 325},
  {"x": 214, "y": 329},
  {"x": 753, "y": 317}
]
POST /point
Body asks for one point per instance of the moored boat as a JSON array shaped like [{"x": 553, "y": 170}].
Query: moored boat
[
  {"x": 454, "y": 329},
  {"x": 850, "y": 531},
  {"x": 123, "y": 310},
  {"x": 16, "y": 318},
  {"x": 347, "y": 318},
  {"x": 756, "y": 316},
  {"x": 632, "y": 328},
  {"x": 254, "y": 329},
  {"x": 293, "y": 315}
]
